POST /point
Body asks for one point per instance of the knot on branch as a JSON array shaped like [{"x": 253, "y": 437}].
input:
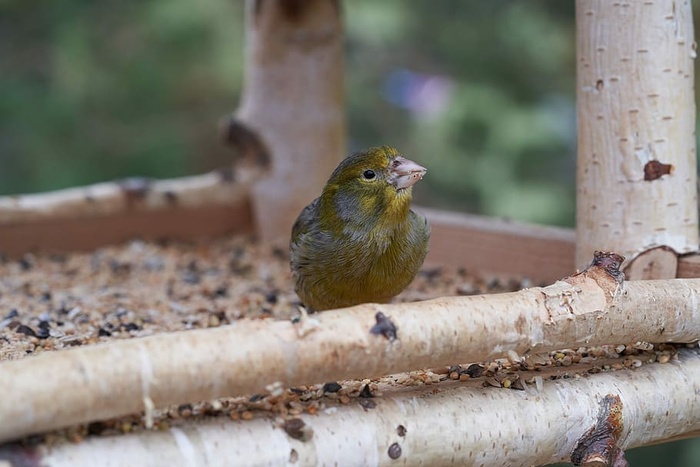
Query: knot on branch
[
  {"x": 604, "y": 270},
  {"x": 598, "y": 446},
  {"x": 249, "y": 146},
  {"x": 654, "y": 170}
]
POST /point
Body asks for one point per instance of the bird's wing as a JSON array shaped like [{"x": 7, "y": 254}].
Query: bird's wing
[
  {"x": 305, "y": 221},
  {"x": 304, "y": 234},
  {"x": 420, "y": 225}
]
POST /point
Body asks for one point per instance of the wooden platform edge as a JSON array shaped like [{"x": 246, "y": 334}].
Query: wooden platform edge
[
  {"x": 56, "y": 235},
  {"x": 477, "y": 243},
  {"x": 689, "y": 266},
  {"x": 499, "y": 246},
  {"x": 88, "y": 217},
  {"x": 489, "y": 245}
]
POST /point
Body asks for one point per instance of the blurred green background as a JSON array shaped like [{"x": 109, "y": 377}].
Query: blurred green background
[{"x": 481, "y": 92}]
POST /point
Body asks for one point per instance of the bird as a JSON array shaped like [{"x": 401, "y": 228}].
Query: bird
[{"x": 359, "y": 241}]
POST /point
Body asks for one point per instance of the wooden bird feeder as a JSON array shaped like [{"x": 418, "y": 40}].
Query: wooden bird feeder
[{"x": 637, "y": 197}]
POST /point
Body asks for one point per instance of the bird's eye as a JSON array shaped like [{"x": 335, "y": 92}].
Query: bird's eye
[{"x": 369, "y": 174}]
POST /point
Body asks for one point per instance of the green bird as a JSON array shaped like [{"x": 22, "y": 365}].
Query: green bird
[{"x": 360, "y": 242}]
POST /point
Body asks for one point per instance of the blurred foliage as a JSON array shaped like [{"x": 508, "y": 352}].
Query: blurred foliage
[
  {"x": 91, "y": 91},
  {"x": 480, "y": 92},
  {"x": 483, "y": 93},
  {"x": 502, "y": 141}
]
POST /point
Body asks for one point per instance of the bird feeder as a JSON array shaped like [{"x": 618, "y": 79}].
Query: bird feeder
[{"x": 453, "y": 380}]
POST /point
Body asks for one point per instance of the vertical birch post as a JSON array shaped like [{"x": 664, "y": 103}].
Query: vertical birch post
[
  {"x": 292, "y": 103},
  {"x": 636, "y": 174}
]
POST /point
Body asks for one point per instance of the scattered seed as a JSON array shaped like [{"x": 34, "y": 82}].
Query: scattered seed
[
  {"x": 646, "y": 346},
  {"x": 185, "y": 410},
  {"x": 332, "y": 387},
  {"x": 493, "y": 368},
  {"x": 394, "y": 451},
  {"x": 26, "y": 330},
  {"x": 664, "y": 358},
  {"x": 366, "y": 392},
  {"x": 44, "y": 330},
  {"x": 519, "y": 384},
  {"x": 96, "y": 428},
  {"x": 296, "y": 428},
  {"x": 475, "y": 370},
  {"x": 12, "y": 314},
  {"x": 493, "y": 382},
  {"x": 216, "y": 405}
]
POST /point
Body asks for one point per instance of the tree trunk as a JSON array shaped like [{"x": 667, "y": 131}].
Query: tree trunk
[
  {"x": 293, "y": 99},
  {"x": 636, "y": 178}
]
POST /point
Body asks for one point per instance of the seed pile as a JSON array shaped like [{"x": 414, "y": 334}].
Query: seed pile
[
  {"x": 57, "y": 301},
  {"x": 52, "y": 302}
]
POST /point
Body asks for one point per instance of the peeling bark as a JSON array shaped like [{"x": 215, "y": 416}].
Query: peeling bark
[{"x": 636, "y": 175}]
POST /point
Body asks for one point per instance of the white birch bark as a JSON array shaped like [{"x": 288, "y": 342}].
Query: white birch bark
[
  {"x": 129, "y": 195},
  {"x": 458, "y": 425},
  {"x": 636, "y": 109},
  {"x": 125, "y": 377},
  {"x": 293, "y": 99}
]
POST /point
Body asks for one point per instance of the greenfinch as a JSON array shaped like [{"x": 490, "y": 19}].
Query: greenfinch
[{"x": 360, "y": 242}]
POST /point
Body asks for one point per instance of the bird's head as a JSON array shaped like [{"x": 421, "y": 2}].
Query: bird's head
[{"x": 371, "y": 185}]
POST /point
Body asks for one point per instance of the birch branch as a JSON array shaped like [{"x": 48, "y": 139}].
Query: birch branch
[
  {"x": 227, "y": 186},
  {"x": 456, "y": 426},
  {"x": 89, "y": 217},
  {"x": 127, "y": 376}
]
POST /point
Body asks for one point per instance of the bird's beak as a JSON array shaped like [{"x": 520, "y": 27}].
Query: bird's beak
[{"x": 403, "y": 172}]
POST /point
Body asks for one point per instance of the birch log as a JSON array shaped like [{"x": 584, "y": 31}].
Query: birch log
[
  {"x": 636, "y": 174},
  {"x": 133, "y": 194},
  {"x": 81, "y": 218},
  {"x": 455, "y": 426},
  {"x": 128, "y": 376},
  {"x": 293, "y": 99}
]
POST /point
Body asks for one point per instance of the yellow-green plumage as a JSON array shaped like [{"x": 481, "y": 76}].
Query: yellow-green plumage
[{"x": 360, "y": 242}]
